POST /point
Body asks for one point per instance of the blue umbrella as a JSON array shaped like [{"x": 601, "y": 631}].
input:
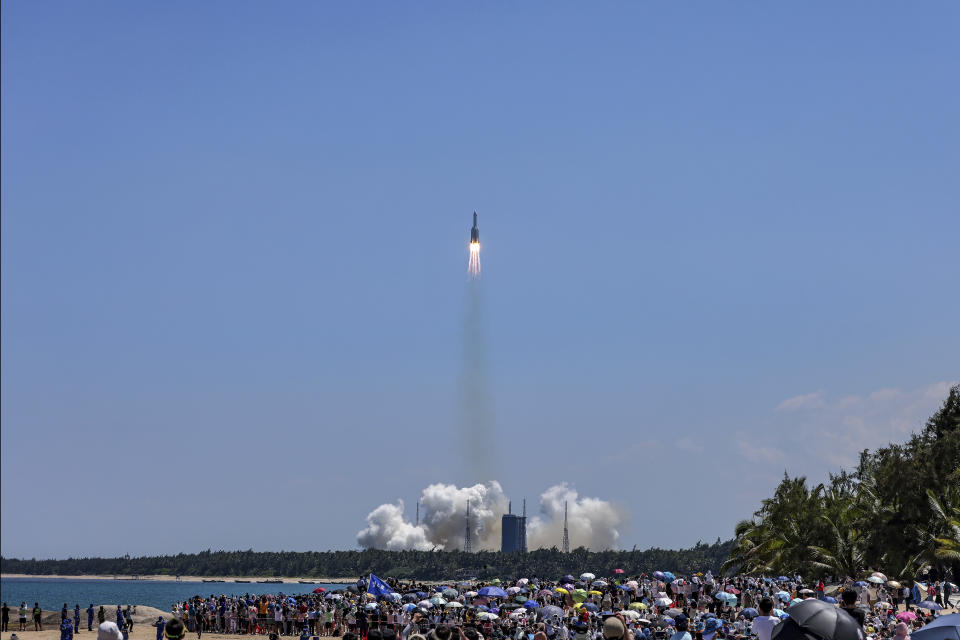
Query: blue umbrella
[
  {"x": 669, "y": 577},
  {"x": 750, "y": 613},
  {"x": 859, "y": 583},
  {"x": 945, "y": 627},
  {"x": 624, "y": 587},
  {"x": 531, "y": 604},
  {"x": 781, "y": 613},
  {"x": 658, "y": 575},
  {"x": 668, "y": 621},
  {"x": 782, "y": 578},
  {"x": 830, "y": 599},
  {"x": 483, "y": 607},
  {"x": 409, "y": 606},
  {"x": 591, "y": 607},
  {"x": 493, "y": 592},
  {"x": 549, "y": 611},
  {"x": 930, "y": 604}
]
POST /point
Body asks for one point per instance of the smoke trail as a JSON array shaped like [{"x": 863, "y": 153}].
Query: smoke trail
[
  {"x": 592, "y": 522},
  {"x": 476, "y": 412}
]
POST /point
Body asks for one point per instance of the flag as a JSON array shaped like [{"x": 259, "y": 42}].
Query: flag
[{"x": 377, "y": 587}]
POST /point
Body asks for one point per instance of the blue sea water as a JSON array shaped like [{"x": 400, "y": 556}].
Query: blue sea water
[{"x": 51, "y": 593}]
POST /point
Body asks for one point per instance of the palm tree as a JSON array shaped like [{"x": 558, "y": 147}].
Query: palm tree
[
  {"x": 845, "y": 554},
  {"x": 947, "y": 542}
]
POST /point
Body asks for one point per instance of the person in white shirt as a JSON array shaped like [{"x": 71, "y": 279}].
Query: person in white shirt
[{"x": 764, "y": 623}]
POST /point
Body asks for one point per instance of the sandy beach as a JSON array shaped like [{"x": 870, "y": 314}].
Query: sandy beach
[{"x": 251, "y": 579}]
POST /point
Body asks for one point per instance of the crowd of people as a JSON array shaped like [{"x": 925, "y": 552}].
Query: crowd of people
[{"x": 660, "y": 606}]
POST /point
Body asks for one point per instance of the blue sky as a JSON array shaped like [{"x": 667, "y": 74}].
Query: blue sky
[{"x": 719, "y": 241}]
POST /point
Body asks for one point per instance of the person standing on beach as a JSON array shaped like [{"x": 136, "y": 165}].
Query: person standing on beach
[
  {"x": 4, "y": 618},
  {"x": 90, "y": 617},
  {"x": 160, "y": 624},
  {"x": 23, "y": 616},
  {"x": 66, "y": 629},
  {"x": 119, "y": 618},
  {"x": 37, "y": 617},
  {"x": 101, "y": 615}
]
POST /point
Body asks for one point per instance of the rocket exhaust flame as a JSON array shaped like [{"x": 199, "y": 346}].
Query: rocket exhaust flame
[{"x": 473, "y": 267}]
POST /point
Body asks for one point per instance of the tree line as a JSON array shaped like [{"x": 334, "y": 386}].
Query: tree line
[
  {"x": 424, "y": 565},
  {"x": 897, "y": 512}
]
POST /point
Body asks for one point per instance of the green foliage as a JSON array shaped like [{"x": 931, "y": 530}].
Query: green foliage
[
  {"x": 898, "y": 512},
  {"x": 424, "y": 565}
]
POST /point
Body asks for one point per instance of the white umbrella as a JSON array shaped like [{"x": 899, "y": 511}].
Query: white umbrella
[
  {"x": 875, "y": 579},
  {"x": 587, "y": 576},
  {"x": 486, "y": 615},
  {"x": 664, "y": 602},
  {"x": 454, "y": 605},
  {"x": 470, "y": 594},
  {"x": 425, "y": 604},
  {"x": 630, "y": 613}
]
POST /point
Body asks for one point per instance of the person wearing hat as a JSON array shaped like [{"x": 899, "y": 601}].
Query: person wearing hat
[
  {"x": 160, "y": 624},
  {"x": 90, "y": 613},
  {"x": 682, "y": 624},
  {"x": 614, "y": 628},
  {"x": 76, "y": 617},
  {"x": 66, "y": 629},
  {"x": 710, "y": 628}
]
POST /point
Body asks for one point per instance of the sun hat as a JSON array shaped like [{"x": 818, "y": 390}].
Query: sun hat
[
  {"x": 613, "y": 628},
  {"x": 711, "y": 625},
  {"x": 109, "y": 631}
]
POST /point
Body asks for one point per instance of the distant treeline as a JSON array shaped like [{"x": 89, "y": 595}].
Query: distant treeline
[{"x": 424, "y": 565}]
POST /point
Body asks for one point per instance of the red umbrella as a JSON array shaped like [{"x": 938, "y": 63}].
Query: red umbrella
[
  {"x": 319, "y": 590},
  {"x": 906, "y": 616},
  {"x": 618, "y": 570},
  {"x": 732, "y": 589}
]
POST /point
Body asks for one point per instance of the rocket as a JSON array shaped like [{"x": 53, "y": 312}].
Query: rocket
[{"x": 475, "y": 231}]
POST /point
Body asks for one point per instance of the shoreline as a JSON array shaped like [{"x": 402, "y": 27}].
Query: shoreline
[{"x": 167, "y": 578}]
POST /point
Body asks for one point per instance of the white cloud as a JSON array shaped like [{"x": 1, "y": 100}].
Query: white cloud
[
  {"x": 759, "y": 452},
  {"x": 807, "y": 401},
  {"x": 836, "y": 431}
]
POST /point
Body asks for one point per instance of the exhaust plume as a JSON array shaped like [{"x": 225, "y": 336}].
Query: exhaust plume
[
  {"x": 476, "y": 405},
  {"x": 592, "y": 522}
]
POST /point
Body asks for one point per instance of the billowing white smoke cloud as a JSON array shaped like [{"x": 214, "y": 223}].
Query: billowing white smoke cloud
[
  {"x": 592, "y": 522},
  {"x": 386, "y": 529}
]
